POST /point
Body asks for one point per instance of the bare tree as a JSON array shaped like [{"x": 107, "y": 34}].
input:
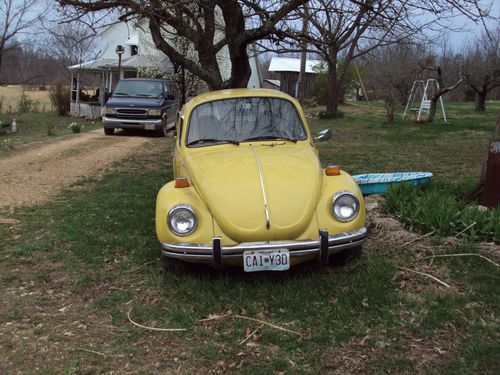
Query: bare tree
[
  {"x": 17, "y": 17},
  {"x": 391, "y": 70},
  {"x": 70, "y": 43},
  {"x": 342, "y": 31},
  {"x": 443, "y": 89},
  {"x": 482, "y": 66},
  {"x": 212, "y": 27}
]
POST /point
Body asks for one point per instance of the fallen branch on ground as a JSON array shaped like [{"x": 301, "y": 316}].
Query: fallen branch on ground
[
  {"x": 251, "y": 335},
  {"x": 418, "y": 238},
  {"x": 268, "y": 324},
  {"x": 218, "y": 317},
  {"x": 426, "y": 274},
  {"x": 213, "y": 317},
  {"x": 464, "y": 255},
  {"x": 92, "y": 351},
  {"x": 470, "y": 226},
  {"x": 153, "y": 328}
]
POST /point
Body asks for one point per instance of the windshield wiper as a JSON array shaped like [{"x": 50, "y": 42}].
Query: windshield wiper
[
  {"x": 145, "y": 95},
  {"x": 121, "y": 93},
  {"x": 212, "y": 140},
  {"x": 269, "y": 137}
]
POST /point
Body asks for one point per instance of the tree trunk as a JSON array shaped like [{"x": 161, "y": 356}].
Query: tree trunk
[
  {"x": 432, "y": 109},
  {"x": 240, "y": 67},
  {"x": 332, "y": 101},
  {"x": 480, "y": 101},
  {"x": 389, "y": 107}
]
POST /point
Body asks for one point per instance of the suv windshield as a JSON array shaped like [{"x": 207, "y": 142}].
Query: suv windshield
[
  {"x": 245, "y": 119},
  {"x": 139, "y": 89}
]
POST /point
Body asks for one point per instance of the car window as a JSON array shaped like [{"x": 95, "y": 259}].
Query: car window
[
  {"x": 245, "y": 119},
  {"x": 139, "y": 89}
]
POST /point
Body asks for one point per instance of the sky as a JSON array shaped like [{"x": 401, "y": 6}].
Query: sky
[
  {"x": 472, "y": 30},
  {"x": 456, "y": 39}
]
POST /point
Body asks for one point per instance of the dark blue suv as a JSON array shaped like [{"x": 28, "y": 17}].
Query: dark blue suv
[{"x": 139, "y": 103}]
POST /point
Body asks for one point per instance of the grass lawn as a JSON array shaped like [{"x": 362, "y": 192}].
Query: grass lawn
[
  {"x": 33, "y": 126},
  {"x": 74, "y": 270},
  {"x": 363, "y": 142},
  {"x": 10, "y": 97}
]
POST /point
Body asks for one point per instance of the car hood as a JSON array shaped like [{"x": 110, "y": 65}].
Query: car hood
[
  {"x": 134, "y": 102},
  {"x": 236, "y": 181}
]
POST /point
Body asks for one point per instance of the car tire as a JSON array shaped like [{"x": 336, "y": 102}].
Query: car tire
[
  {"x": 109, "y": 131},
  {"x": 163, "y": 131},
  {"x": 345, "y": 256}
]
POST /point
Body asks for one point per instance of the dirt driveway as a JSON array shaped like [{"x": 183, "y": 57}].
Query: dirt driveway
[{"x": 36, "y": 173}]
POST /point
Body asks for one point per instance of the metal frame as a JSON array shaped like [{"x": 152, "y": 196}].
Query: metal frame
[{"x": 425, "y": 103}]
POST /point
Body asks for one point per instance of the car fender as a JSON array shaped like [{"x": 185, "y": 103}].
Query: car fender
[
  {"x": 330, "y": 186},
  {"x": 170, "y": 196}
]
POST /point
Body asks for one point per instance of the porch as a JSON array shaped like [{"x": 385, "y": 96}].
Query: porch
[{"x": 92, "y": 81}]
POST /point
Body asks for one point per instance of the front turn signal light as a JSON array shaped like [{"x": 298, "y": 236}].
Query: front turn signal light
[
  {"x": 181, "y": 182},
  {"x": 332, "y": 170}
]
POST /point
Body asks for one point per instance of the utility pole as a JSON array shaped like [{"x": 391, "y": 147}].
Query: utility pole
[{"x": 303, "y": 56}]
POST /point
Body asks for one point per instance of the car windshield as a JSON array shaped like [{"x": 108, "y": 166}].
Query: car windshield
[
  {"x": 139, "y": 89},
  {"x": 244, "y": 119}
]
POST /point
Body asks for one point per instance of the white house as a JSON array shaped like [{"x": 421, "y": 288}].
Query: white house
[{"x": 91, "y": 80}]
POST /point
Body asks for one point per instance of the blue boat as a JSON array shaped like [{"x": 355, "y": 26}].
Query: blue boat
[{"x": 378, "y": 183}]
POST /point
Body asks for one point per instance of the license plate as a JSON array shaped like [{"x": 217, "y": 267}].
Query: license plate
[
  {"x": 149, "y": 126},
  {"x": 266, "y": 260}
]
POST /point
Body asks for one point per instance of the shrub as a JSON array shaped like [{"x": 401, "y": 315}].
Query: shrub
[
  {"x": 440, "y": 207},
  {"x": 25, "y": 104},
  {"x": 59, "y": 96}
]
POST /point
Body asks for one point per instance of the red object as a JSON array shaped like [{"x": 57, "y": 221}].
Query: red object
[
  {"x": 491, "y": 196},
  {"x": 181, "y": 182}
]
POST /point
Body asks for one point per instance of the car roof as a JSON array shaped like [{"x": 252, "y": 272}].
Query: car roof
[{"x": 235, "y": 93}]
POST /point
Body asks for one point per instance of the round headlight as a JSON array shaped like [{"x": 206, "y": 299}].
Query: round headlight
[
  {"x": 181, "y": 220},
  {"x": 345, "y": 206}
]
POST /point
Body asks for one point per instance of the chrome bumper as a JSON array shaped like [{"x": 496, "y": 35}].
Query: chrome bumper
[
  {"x": 216, "y": 254},
  {"x": 129, "y": 123}
]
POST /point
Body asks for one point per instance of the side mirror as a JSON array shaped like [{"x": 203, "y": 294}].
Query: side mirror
[
  {"x": 324, "y": 135},
  {"x": 169, "y": 97}
]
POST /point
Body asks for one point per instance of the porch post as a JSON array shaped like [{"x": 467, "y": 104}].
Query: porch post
[
  {"x": 71, "y": 94},
  {"x": 102, "y": 87},
  {"x": 78, "y": 91}
]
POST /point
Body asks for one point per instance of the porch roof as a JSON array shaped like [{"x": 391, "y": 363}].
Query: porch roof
[{"x": 133, "y": 63}]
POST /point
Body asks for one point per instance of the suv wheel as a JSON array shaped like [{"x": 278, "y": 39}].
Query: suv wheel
[
  {"x": 109, "y": 131},
  {"x": 163, "y": 131}
]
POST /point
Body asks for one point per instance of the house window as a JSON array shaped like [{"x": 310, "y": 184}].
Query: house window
[{"x": 133, "y": 50}]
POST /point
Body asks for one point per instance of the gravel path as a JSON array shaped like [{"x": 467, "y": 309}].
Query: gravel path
[{"x": 35, "y": 174}]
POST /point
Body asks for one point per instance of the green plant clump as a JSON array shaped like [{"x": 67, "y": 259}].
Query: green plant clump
[
  {"x": 75, "y": 127},
  {"x": 440, "y": 207}
]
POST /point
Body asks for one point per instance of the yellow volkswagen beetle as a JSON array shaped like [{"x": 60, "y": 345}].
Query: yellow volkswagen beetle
[{"x": 249, "y": 189}]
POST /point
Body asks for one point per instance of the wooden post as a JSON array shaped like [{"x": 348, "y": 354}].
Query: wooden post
[
  {"x": 78, "y": 92},
  {"x": 491, "y": 196},
  {"x": 71, "y": 95},
  {"x": 303, "y": 58}
]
